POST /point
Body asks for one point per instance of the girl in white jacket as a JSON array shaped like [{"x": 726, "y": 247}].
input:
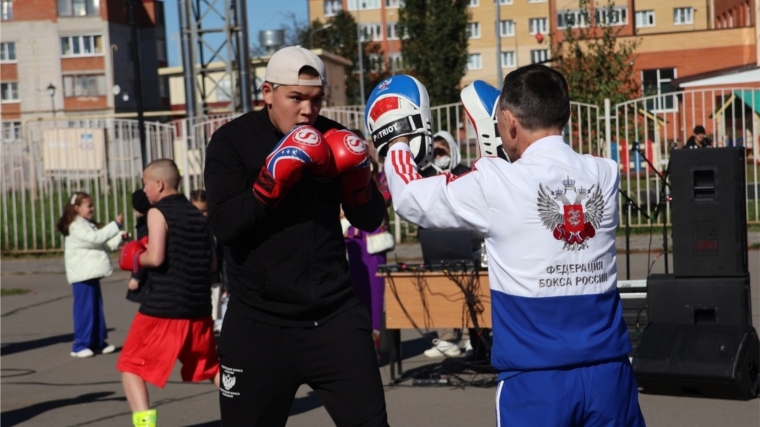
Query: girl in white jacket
[{"x": 86, "y": 253}]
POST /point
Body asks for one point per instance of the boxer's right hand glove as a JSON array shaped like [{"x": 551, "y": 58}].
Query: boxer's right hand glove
[
  {"x": 350, "y": 161},
  {"x": 399, "y": 106},
  {"x": 302, "y": 147},
  {"x": 129, "y": 256}
]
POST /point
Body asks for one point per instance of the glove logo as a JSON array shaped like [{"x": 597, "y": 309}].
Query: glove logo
[
  {"x": 384, "y": 84},
  {"x": 306, "y": 136},
  {"x": 575, "y": 222},
  {"x": 354, "y": 144}
]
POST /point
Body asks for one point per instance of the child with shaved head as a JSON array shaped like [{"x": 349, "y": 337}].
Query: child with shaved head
[{"x": 174, "y": 319}]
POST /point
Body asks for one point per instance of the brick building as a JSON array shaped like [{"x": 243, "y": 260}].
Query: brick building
[
  {"x": 679, "y": 38},
  {"x": 64, "y": 57}
]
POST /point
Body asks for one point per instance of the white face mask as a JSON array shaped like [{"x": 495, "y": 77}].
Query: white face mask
[{"x": 442, "y": 162}]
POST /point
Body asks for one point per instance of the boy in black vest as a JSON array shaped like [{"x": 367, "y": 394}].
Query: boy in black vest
[{"x": 175, "y": 310}]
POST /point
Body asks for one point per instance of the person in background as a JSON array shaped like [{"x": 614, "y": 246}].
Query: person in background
[
  {"x": 698, "y": 139},
  {"x": 174, "y": 319},
  {"x": 87, "y": 261},
  {"x": 363, "y": 264},
  {"x": 141, "y": 205},
  {"x": 446, "y": 156},
  {"x": 219, "y": 292}
]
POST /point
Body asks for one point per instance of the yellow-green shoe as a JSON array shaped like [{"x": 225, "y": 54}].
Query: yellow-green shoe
[{"x": 144, "y": 418}]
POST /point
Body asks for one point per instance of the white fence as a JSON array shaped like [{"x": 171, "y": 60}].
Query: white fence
[{"x": 103, "y": 158}]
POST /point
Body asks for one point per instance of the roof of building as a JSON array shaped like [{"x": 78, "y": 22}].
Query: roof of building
[{"x": 736, "y": 75}]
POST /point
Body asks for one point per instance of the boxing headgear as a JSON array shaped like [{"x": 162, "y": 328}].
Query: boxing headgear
[
  {"x": 399, "y": 106},
  {"x": 480, "y": 101}
]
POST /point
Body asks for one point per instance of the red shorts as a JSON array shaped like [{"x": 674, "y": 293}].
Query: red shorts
[{"x": 153, "y": 345}]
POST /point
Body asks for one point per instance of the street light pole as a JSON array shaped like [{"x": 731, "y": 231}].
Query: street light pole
[
  {"x": 361, "y": 55},
  {"x": 311, "y": 34},
  {"x": 51, "y": 92}
]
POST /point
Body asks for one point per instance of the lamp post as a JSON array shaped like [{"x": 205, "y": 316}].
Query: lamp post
[
  {"x": 390, "y": 47},
  {"x": 311, "y": 34},
  {"x": 361, "y": 55},
  {"x": 51, "y": 92}
]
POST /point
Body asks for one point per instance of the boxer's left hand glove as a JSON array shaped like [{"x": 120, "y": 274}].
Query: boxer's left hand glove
[
  {"x": 302, "y": 147},
  {"x": 350, "y": 161},
  {"x": 399, "y": 106}
]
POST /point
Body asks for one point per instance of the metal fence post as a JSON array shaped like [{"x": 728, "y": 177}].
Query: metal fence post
[{"x": 607, "y": 128}]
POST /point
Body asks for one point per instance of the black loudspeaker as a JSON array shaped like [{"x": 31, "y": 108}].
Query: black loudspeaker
[
  {"x": 709, "y": 212},
  {"x": 713, "y": 361},
  {"x": 699, "y": 300}
]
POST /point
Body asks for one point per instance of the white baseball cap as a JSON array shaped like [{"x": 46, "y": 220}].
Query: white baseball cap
[{"x": 285, "y": 67}]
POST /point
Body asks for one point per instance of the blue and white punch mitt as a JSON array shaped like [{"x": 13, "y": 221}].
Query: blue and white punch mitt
[
  {"x": 480, "y": 101},
  {"x": 399, "y": 106}
]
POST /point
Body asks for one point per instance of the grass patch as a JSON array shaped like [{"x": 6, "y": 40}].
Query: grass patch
[{"x": 13, "y": 291}]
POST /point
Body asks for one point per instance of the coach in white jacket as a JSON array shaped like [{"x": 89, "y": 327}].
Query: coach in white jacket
[{"x": 548, "y": 218}]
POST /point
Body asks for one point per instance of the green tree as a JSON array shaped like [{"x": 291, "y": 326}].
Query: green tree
[
  {"x": 434, "y": 45},
  {"x": 595, "y": 64},
  {"x": 341, "y": 39}
]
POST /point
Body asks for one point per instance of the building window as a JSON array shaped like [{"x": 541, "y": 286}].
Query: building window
[
  {"x": 332, "y": 7},
  {"x": 538, "y": 25},
  {"x": 536, "y": 1},
  {"x": 81, "y": 46},
  {"x": 473, "y": 30},
  {"x": 616, "y": 16},
  {"x": 8, "y": 52},
  {"x": 365, "y": 4},
  {"x": 507, "y": 28},
  {"x": 474, "y": 61},
  {"x": 397, "y": 61},
  {"x": 644, "y": 18},
  {"x": 9, "y": 91},
  {"x": 473, "y": 3},
  {"x": 508, "y": 59},
  {"x": 373, "y": 32},
  {"x": 78, "y": 7},
  {"x": 6, "y": 10},
  {"x": 391, "y": 30},
  {"x": 506, "y": 2},
  {"x": 12, "y": 131},
  {"x": 394, "y": 4},
  {"x": 659, "y": 82},
  {"x": 572, "y": 19},
  {"x": 376, "y": 63},
  {"x": 540, "y": 55},
  {"x": 84, "y": 85},
  {"x": 683, "y": 16}
]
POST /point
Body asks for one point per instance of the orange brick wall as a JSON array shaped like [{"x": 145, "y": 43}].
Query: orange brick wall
[
  {"x": 118, "y": 12},
  {"x": 11, "y": 110},
  {"x": 85, "y": 103},
  {"x": 8, "y": 72},
  {"x": 87, "y": 63},
  {"x": 696, "y": 61},
  {"x": 35, "y": 10}
]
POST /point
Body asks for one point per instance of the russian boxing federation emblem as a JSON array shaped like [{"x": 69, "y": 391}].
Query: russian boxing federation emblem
[
  {"x": 228, "y": 381},
  {"x": 572, "y": 222}
]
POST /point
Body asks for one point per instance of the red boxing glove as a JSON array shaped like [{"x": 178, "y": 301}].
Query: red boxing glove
[
  {"x": 302, "y": 147},
  {"x": 129, "y": 257},
  {"x": 350, "y": 160}
]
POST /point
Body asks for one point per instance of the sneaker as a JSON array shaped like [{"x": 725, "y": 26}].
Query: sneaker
[
  {"x": 443, "y": 348},
  {"x": 109, "y": 348},
  {"x": 82, "y": 353}
]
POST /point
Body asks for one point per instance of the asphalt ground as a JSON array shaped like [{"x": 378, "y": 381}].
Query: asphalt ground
[{"x": 41, "y": 385}]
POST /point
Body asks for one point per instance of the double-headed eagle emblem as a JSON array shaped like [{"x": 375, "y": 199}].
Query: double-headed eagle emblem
[{"x": 572, "y": 222}]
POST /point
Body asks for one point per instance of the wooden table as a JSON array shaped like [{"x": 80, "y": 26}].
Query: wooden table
[{"x": 430, "y": 300}]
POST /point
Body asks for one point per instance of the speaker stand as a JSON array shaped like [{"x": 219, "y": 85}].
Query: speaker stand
[
  {"x": 661, "y": 203},
  {"x": 629, "y": 203}
]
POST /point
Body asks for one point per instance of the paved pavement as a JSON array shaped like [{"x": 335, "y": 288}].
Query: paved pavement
[{"x": 43, "y": 386}]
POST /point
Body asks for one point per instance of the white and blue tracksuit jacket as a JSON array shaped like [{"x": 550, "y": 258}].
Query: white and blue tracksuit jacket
[{"x": 549, "y": 224}]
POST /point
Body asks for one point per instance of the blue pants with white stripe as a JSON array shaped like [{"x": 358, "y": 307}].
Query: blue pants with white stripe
[
  {"x": 602, "y": 395},
  {"x": 89, "y": 320}
]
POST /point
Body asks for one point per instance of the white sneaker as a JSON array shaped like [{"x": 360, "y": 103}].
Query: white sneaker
[
  {"x": 108, "y": 349},
  {"x": 82, "y": 353},
  {"x": 443, "y": 348}
]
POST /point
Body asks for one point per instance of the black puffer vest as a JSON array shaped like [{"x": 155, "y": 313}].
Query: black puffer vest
[{"x": 181, "y": 287}]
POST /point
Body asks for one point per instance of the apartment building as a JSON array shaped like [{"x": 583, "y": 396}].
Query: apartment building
[
  {"x": 679, "y": 38},
  {"x": 65, "y": 58}
]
